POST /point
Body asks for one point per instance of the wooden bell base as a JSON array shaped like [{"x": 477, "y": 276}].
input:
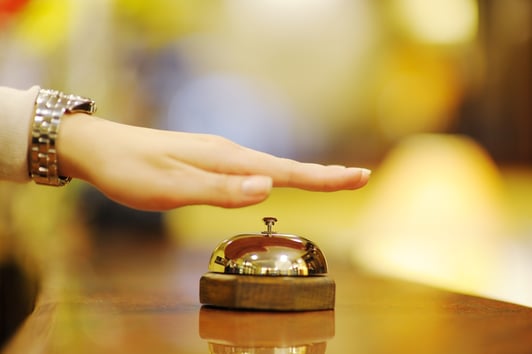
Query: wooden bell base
[{"x": 267, "y": 293}]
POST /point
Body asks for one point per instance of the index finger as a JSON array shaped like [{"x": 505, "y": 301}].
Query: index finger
[{"x": 220, "y": 155}]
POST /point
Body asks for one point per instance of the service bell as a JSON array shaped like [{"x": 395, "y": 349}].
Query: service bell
[{"x": 268, "y": 271}]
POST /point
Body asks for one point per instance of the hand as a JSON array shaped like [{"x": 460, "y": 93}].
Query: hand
[{"x": 152, "y": 169}]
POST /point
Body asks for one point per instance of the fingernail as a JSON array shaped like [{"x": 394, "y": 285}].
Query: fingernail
[
  {"x": 257, "y": 185},
  {"x": 365, "y": 172}
]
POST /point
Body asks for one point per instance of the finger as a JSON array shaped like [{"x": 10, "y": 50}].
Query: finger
[
  {"x": 291, "y": 173},
  {"x": 223, "y": 156},
  {"x": 229, "y": 191},
  {"x": 321, "y": 178}
]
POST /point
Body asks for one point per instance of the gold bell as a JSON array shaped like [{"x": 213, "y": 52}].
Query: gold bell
[{"x": 268, "y": 271}]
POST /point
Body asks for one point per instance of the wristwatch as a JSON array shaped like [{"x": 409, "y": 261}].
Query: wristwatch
[{"x": 50, "y": 107}]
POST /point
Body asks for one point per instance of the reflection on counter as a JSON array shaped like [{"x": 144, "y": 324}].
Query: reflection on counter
[{"x": 266, "y": 332}]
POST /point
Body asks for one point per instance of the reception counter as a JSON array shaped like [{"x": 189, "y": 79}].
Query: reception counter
[{"x": 145, "y": 300}]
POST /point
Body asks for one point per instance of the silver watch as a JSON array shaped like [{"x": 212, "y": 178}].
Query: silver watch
[{"x": 50, "y": 106}]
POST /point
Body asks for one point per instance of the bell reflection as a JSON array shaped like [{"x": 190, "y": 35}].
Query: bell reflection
[{"x": 266, "y": 332}]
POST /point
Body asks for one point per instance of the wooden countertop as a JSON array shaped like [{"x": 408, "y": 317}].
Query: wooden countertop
[{"x": 145, "y": 300}]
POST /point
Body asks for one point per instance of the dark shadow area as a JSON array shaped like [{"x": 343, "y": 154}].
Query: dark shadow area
[
  {"x": 109, "y": 222},
  {"x": 18, "y": 292}
]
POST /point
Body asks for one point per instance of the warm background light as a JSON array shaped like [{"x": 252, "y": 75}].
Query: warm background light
[
  {"x": 439, "y": 21},
  {"x": 437, "y": 214}
]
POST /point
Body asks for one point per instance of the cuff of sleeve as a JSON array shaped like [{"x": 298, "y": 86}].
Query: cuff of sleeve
[{"x": 16, "y": 113}]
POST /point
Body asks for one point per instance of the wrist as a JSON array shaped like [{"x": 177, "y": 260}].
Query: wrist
[
  {"x": 51, "y": 108},
  {"x": 77, "y": 145}
]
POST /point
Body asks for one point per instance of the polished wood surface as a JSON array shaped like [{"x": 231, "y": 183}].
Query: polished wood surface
[{"x": 145, "y": 300}]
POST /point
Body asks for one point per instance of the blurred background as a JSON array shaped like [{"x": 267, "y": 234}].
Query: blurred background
[{"x": 434, "y": 97}]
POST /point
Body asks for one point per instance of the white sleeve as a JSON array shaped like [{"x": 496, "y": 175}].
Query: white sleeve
[{"x": 16, "y": 112}]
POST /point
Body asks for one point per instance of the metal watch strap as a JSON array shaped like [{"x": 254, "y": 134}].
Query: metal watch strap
[{"x": 50, "y": 106}]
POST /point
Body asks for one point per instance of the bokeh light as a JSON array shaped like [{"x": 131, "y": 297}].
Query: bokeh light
[{"x": 439, "y": 21}]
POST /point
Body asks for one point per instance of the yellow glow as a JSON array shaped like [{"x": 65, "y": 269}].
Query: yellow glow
[
  {"x": 285, "y": 13},
  {"x": 415, "y": 93},
  {"x": 436, "y": 215},
  {"x": 439, "y": 21},
  {"x": 44, "y": 25}
]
